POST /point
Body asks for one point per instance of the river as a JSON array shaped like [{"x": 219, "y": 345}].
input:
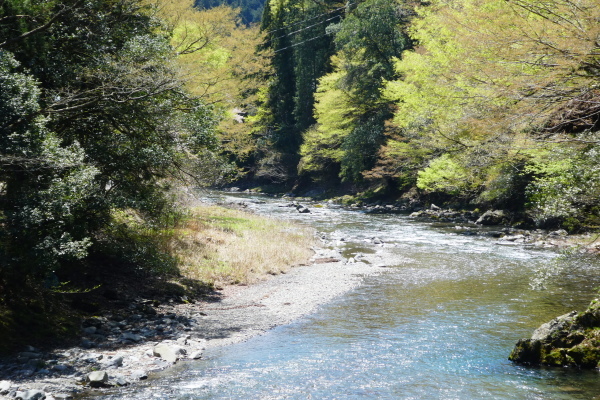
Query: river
[{"x": 438, "y": 323}]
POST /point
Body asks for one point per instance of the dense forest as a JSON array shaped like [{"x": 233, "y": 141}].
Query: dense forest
[{"x": 477, "y": 103}]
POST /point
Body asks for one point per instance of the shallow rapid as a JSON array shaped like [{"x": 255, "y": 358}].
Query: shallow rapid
[{"x": 438, "y": 323}]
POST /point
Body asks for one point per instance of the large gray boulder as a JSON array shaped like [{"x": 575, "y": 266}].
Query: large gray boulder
[
  {"x": 572, "y": 339},
  {"x": 547, "y": 330}
]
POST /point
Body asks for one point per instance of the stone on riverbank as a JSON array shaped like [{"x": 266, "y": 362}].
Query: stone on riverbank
[
  {"x": 493, "y": 217},
  {"x": 168, "y": 352},
  {"x": 97, "y": 378},
  {"x": 572, "y": 339},
  {"x": 5, "y": 387},
  {"x": 31, "y": 395}
]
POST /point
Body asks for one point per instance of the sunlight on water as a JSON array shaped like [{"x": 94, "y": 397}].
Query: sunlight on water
[{"x": 438, "y": 324}]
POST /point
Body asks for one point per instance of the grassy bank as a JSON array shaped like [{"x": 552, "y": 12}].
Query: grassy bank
[{"x": 220, "y": 246}]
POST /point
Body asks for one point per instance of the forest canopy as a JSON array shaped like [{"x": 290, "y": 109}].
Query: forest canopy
[
  {"x": 487, "y": 103},
  {"x": 106, "y": 106}
]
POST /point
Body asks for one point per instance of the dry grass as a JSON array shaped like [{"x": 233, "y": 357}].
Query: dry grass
[{"x": 222, "y": 246}]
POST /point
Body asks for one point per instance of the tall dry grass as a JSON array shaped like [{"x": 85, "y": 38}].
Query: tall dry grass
[{"x": 222, "y": 246}]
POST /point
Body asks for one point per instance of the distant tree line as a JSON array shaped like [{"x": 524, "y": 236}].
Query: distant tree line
[{"x": 482, "y": 103}]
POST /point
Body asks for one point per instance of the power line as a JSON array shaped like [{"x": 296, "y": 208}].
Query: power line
[
  {"x": 305, "y": 41},
  {"x": 305, "y": 28},
  {"x": 310, "y": 19}
]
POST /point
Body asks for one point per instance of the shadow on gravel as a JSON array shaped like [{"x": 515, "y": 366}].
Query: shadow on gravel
[{"x": 108, "y": 320}]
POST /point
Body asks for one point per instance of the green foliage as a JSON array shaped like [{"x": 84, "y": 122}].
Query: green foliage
[
  {"x": 446, "y": 175},
  {"x": 566, "y": 184},
  {"x": 99, "y": 123},
  {"x": 361, "y": 146},
  {"x": 350, "y": 109},
  {"x": 296, "y": 33}
]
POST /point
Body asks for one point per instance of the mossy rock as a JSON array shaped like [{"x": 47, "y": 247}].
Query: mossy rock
[
  {"x": 557, "y": 357},
  {"x": 585, "y": 355},
  {"x": 570, "y": 340},
  {"x": 527, "y": 351}
]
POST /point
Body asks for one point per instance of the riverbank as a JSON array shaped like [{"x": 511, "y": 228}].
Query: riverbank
[{"x": 233, "y": 314}]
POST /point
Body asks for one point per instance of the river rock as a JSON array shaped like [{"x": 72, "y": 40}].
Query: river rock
[
  {"x": 31, "y": 395},
  {"x": 97, "y": 378},
  {"x": 90, "y": 330},
  {"x": 545, "y": 331},
  {"x": 132, "y": 337},
  {"x": 569, "y": 340},
  {"x": 139, "y": 375},
  {"x": 5, "y": 387},
  {"x": 63, "y": 396},
  {"x": 493, "y": 217},
  {"x": 114, "y": 362},
  {"x": 168, "y": 352}
]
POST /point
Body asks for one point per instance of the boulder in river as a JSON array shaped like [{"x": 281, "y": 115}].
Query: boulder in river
[
  {"x": 493, "y": 217},
  {"x": 572, "y": 339}
]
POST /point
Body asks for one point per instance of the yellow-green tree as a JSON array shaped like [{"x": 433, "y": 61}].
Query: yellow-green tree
[
  {"x": 220, "y": 65},
  {"x": 491, "y": 82}
]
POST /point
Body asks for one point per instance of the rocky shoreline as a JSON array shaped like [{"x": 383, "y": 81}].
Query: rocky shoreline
[
  {"x": 120, "y": 349},
  {"x": 497, "y": 224}
]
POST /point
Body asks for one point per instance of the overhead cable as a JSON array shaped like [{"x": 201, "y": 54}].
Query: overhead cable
[
  {"x": 305, "y": 28},
  {"x": 310, "y": 19},
  {"x": 298, "y": 44}
]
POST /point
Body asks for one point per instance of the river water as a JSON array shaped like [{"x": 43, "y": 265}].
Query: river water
[{"x": 438, "y": 323}]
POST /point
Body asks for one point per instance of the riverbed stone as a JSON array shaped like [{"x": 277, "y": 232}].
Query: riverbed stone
[
  {"x": 139, "y": 375},
  {"x": 97, "y": 378},
  {"x": 131, "y": 337},
  {"x": 493, "y": 217},
  {"x": 32, "y": 394},
  {"x": 168, "y": 352},
  {"x": 63, "y": 396},
  {"x": 114, "y": 362}
]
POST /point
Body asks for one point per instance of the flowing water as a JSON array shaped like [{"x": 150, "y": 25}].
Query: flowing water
[{"x": 439, "y": 323}]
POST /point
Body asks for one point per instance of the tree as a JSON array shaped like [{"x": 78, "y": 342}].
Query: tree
[
  {"x": 250, "y": 10},
  {"x": 367, "y": 41},
  {"x": 297, "y": 34},
  {"x": 493, "y": 85},
  {"x": 101, "y": 122},
  {"x": 220, "y": 64}
]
